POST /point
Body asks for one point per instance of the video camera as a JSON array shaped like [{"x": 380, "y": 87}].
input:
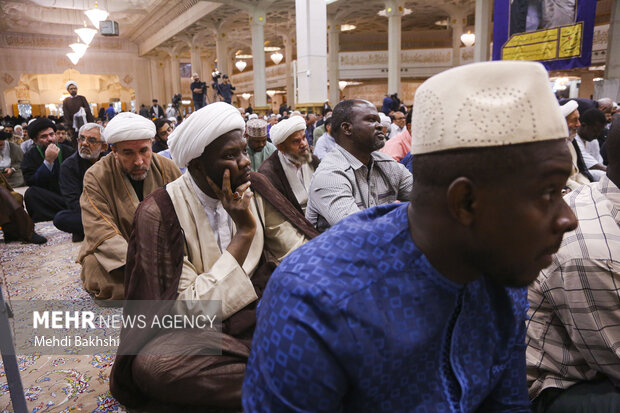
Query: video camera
[
  {"x": 215, "y": 75},
  {"x": 176, "y": 100}
]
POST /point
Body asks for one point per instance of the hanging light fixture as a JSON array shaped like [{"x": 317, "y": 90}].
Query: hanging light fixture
[
  {"x": 86, "y": 34},
  {"x": 78, "y": 48},
  {"x": 96, "y": 15},
  {"x": 276, "y": 57},
  {"x": 246, "y": 95},
  {"x": 468, "y": 38},
  {"x": 271, "y": 93},
  {"x": 342, "y": 84},
  {"x": 73, "y": 57},
  {"x": 241, "y": 64}
]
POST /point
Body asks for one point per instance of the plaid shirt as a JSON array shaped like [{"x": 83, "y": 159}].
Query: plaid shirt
[{"x": 574, "y": 328}]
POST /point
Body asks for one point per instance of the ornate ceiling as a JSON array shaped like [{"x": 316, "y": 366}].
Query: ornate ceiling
[{"x": 144, "y": 20}]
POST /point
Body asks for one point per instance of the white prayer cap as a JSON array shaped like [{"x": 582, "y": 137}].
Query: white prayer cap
[
  {"x": 69, "y": 83},
  {"x": 189, "y": 140},
  {"x": 253, "y": 116},
  {"x": 127, "y": 126},
  {"x": 485, "y": 104},
  {"x": 282, "y": 130},
  {"x": 385, "y": 120},
  {"x": 569, "y": 107}
]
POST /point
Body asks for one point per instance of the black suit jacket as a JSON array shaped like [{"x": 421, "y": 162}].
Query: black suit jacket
[{"x": 272, "y": 169}]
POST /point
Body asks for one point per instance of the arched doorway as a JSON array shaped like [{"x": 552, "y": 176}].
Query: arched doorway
[{"x": 42, "y": 94}]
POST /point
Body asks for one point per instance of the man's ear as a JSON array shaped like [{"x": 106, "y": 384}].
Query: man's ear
[
  {"x": 461, "y": 197},
  {"x": 346, "y": 128}
]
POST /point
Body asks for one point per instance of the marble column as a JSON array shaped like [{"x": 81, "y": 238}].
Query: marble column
[
  {"x": 257, "y": 26},
  {"x": 157, "y": 81},
  {"x": 221, "y": 46},
  {"x": 394, "y": 9},
  {"x": 586, "y": 88},
  {"x": 482, "y": 30},
  {"x": 175, "y": 74},
  {"x": 611, "y": 82},
  {"x": 196, "y": 61},
  {"x": 333, "y": 71},
  {"x": 288, "y": 61},
  {"x": 311, "y": 27},
  {"x": 457, "y": 23}
]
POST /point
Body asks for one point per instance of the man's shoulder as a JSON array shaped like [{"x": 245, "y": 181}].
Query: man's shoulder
[
  {"x": 270, "y": 163},
  {"x": 333, "y": 160},
  {"x": 354, "y": 253},
  {"x": 103, "y": 169},
  {"x": 71, "y": 161}
]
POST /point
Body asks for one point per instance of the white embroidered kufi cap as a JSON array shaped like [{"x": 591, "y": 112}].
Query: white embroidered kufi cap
[{"x": 485, "y": 104}]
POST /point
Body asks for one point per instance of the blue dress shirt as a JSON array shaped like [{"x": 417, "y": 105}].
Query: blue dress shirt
[{"x": 358, "y": 320}]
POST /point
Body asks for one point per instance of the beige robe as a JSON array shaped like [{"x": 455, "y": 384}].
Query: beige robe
[
  {"x": 209, "y": 274},
  {"x": 108, "y": 205},
  {"x": 576, "y": 179}
]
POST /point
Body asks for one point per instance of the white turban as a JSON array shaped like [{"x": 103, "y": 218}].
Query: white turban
[
  {"x": 569, "y": 107},
  {"x": 282, "y": 130},
  {"x": 69, "y": 83},
  {"x": 127, "y": 126},
  {"x": 189, "y": 140}
]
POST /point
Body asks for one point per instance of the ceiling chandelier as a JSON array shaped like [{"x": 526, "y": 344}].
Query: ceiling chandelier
[
  {"x": 73, "y": 57},
  {"x": 86, "y": 34},
  {"x": 276, "y": 57},
  {"x": 468, "y": 38},
  {"x": 241, "y": 64},
  {"x": 96, "y": 15}
]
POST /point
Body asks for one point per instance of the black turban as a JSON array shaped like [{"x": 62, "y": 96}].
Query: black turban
[
  {"x": 40, "y": 124},
  {"x": 5, "y": 135}
]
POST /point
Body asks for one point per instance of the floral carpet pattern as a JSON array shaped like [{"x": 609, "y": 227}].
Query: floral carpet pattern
[{"x": 54, "y": 383}]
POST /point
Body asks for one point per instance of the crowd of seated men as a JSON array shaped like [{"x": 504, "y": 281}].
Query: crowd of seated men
[{"x": 457, "y": 258}]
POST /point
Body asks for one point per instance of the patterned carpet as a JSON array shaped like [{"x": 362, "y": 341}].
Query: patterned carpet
[{"x": 63, "y": 383}]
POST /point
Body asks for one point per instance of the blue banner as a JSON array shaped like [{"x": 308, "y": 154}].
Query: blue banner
[{"x": 557, "y": 33}]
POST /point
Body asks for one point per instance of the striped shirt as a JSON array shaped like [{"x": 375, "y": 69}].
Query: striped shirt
[
  {"x": 342, "y": 185},
  {"x": 574, "y": 331}
]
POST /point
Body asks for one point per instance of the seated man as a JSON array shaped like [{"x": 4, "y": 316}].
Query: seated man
[
  {"x": 212, "y": 245},
  {"x": 355, "y": 176},
  {"x": 259, "y": 148},
  {"x": 326, "y": 142},
  {"x": 592, "y": 124},
  {"x": 580, "y": 174},
  {"x": 15, "y": 222},
  {"x": 399, "y": 144},
  {"x": 290, "y": 168},
  {"x": 91, "y": 146},
  {"x": 573, "y": 362},
  {"x": 41, "y": 169},
  {"x": 113, "y": 187},
  {"x": 11, "y": 157},
  {"x": 420, "y": 306}
]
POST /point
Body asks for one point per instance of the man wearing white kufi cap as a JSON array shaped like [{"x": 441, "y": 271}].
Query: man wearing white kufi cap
[
  {"x": 113, "y": 188},
  {"x": 216, "y": 228},
  {"x": 290, "y": 168},
  {"x": 421, "y": 306},
  {"x": 72, "y": 104}
]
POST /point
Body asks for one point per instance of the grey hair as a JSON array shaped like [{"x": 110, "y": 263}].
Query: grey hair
[{"x": 89, "y": 126}]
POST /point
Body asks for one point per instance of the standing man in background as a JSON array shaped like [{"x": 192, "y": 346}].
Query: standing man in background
[
  {"x": 72, "y": 104},
  {"x": 199, "y": 92}
]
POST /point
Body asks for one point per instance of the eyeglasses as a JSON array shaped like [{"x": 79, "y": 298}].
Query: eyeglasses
[{"x": 90, "y": 140}]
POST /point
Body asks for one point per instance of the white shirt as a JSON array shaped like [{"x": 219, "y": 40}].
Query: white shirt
[
  {"x": 220, "y": 221},
  {"x": 591, "y": 152},
  {"x": 298, "y": 177},
  {"x": 395, "y": 130}
]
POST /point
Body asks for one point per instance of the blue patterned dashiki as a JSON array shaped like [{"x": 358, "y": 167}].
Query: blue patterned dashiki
[{"x": 357, "y": 320}]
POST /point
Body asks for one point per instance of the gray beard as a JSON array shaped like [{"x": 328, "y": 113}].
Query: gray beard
[
  {"x": 91, "y": 157},
  {"x": 299, "y": 160}
]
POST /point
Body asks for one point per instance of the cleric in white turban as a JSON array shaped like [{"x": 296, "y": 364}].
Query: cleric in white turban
[
  {"x": 283, "y": 129},
  {"x": 203, "y": 237},
  {"x": 113, "y": 188},
  {"x": 74, "y": 105}
]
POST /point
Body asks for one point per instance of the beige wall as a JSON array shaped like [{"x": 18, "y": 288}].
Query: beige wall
[{"x": 25, "y": 54}]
